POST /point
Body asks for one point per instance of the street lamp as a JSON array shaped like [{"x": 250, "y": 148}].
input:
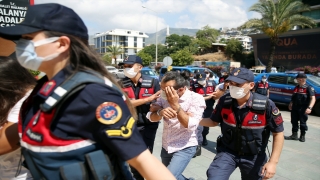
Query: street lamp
[{"x": 156, "y": 33}]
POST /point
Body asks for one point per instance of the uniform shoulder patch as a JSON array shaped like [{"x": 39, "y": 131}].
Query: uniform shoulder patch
[
  {"x": 312, "y": 89},
  {"x": 275, "y": 111},
  {"x": 108, "y": 113},
  {"x": 278, "y": 120},
  {"x": 124, "y": 131}
]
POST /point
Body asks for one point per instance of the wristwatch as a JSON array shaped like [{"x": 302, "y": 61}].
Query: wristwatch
[
  {"x": 310, "y": 108},
  {"x": 158, "y": 112}
]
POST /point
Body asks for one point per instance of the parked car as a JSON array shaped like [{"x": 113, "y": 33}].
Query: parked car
[
  {"x": 282, "y": 85},
  {"x": 112, "y": 69},
  {"x": 120, "y": 74},
  {"x": 149, "y": 72},
  {"x": 191, "y": 69}
]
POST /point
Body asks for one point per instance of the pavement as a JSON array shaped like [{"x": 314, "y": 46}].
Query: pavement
[{"x": 298, "y": 161}]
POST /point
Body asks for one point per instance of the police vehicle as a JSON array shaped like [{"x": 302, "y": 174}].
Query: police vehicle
[
  {"x": 281, "y": 87},
  {"x": 191, "y": 69},
  {"x": 149, "y": 72}
]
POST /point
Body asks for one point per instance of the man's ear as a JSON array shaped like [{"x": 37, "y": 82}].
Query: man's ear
[{"x": 251, "y": 85}]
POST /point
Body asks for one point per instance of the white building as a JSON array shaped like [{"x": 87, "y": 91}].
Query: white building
[
  {"x": 246, "y": 42},
  {"x": 130, "y": 41}
]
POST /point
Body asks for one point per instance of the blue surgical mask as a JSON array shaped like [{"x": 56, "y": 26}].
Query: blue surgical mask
[{"x": 27, "y": 56}]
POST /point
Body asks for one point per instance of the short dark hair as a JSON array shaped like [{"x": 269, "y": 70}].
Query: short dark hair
[
  {"x": 181, "y": 79},
  {"x": 210, "y": 74}
]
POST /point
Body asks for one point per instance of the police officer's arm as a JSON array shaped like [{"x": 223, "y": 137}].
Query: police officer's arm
[
  {"x": 310, "y": 91},
  {"x": 215, "y": 118},
  {"x": 139, "y": 102},
  {"x": 9, "y": 138},
  {"x": 275, "y": 122}
]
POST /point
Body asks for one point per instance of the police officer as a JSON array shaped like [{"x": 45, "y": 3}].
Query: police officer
[
  {"x": 141, "y": 90},
  {"x": 76, "y": 124},
  {"x": 205, "y": 88},
  {"x": 224, "y": 76},
  {"x": 301, "y": 104},
  {"x": 246, "y": 122},
  {"x": 262, "y": 87}
]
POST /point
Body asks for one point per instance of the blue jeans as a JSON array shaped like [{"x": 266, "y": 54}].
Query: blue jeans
[{"x": 176, "y": 162}]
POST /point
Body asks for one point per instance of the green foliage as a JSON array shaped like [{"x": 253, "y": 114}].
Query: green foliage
[
  {"x": 234, "y": 48},
  {"x": 34, "y": 73},
  {"x": 146, "y": 58},
  {"x": 248, "y": 60},
  {"x": 175, "y": 43},
  {"x": 278, "y": 17},
  {"x": 181, "y": 58},
  {"x": 151, "y": 50},
  {"x": 107, "y": 59},
  {"x": 206, "y": 36}
]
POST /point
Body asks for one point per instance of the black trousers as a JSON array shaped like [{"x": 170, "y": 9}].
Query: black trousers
[
  {"x": 148, "y": 133},
  {"x": 298, "y": 114}
]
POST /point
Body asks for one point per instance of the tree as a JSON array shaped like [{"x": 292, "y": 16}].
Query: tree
[
  {"x": 114, "y": 51},
  {"x": 181, "y": 58},
  {"x": 175, "y": 42},
  {"x": 146, "y": 58},
  {"x": 278, "y": 17},
  {"x": 206, "y": 36},
  {"x": 107, "y": 59},
  {"x": 234, "y": 49}
]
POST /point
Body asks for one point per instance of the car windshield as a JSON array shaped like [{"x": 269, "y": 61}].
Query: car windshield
[
  {"x": 148, "y": 72},
  {"x": 314, "y": 80}
]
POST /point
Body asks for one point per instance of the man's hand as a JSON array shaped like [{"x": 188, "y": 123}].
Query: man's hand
[
  {"x": 308, "y": 111},
  {"x": 154, "y": 96},
  {"x": 216, "y": 95},
  {"x": 172, "y": 97},
  {"x": 290, "y": 106},
  {"x": 269, "y": 170},
  {"x": 168, "y": 113},
  {"x": 154, "y": 107}
]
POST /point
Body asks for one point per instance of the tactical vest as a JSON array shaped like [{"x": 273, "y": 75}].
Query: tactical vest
[
  {"x": 48, "y": 156},
  {"x": 300, "y": 96},
  {"x": 146, "y": 90},
  {"x": 262, "y": 88},
  {"x": 248, "y": 135},
  {"x": 203, "y": 90}
]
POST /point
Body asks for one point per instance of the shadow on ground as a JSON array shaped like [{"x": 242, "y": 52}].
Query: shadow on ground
[{"x": 211, "y": 146}]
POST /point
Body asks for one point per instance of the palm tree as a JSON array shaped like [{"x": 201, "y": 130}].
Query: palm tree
[
  {"x": 278, "y": 16},
  {"x": 114, "y": 51}
]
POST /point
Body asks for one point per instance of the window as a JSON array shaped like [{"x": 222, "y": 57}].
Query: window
[
  {"x": 277, "y": 79},
  {"x": 290, "y": 81},
  {"x": 128, "y": 32},
  {"x": 135, "y": 50},
  {"x": 140, "y": 33},
  {"x": 109, "y": 38},
  {"x": 135, "y": 44},
  {"x": 135, "y": 39},
  {"x": 144, "y": 39}
]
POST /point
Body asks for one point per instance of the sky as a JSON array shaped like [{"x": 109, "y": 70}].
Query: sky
[{"x": 105, "y": 15}]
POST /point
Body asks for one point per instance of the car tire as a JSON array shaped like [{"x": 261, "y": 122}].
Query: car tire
[{"x": 316, "y": 108}]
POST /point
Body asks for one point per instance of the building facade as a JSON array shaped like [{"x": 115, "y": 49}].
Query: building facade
[{"x": 130, "y": 41}]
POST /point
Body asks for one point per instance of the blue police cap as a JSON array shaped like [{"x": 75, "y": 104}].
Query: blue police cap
[
  {"x": 47, "y": 17},
  {"x": 241, "y": 75},
  {"x": 132, "y": 59},
  {"x": 301, "y": 75},
  {"x": 201, "y": 76}
]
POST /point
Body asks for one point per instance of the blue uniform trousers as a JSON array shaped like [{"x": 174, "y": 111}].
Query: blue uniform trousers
[
  {"x": 226, "y": 161},
  {"x": 148, "y": 133},
  {"x": 298, "y": 114}
]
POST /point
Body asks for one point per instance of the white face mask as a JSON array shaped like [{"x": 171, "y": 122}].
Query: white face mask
[
  {"x": 27, "y": 56},
  {"x": 237, "y": 92},
  {"x": 202, "y": 83},
  {"x": 263, "y": 80},
  {"x": 129, "y": 72}
]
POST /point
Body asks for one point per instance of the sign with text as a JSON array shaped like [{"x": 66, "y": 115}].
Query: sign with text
[
  {"x": 292, "y": 51},
  {"x": 13, "y": 11}
]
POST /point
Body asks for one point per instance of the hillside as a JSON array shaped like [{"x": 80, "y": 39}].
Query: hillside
[{"x": 163, "y": 33}]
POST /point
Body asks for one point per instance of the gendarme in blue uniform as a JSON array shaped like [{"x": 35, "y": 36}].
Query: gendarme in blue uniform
[{"x": 59, "y": 142}]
